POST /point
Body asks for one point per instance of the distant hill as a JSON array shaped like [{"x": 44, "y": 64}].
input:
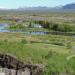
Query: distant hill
[
  {"x": 34, "y": 8},
  {"x": 66, "y": 8},
  {"x": 69, "y": 6}
]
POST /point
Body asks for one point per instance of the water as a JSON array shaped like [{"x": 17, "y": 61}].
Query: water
[
  {"x": 2, "y": 29},
  {"x": 37, "y": 33},
  {"x": 2, "y": 26}
]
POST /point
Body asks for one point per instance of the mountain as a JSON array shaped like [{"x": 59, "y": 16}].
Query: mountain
[
  {"x": 66, "y": 8},
  {"x": 69, "y": 6},
  {"x": 34, "y": 8}
]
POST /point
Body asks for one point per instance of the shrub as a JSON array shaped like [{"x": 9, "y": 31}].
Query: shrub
[
  {"x": 58, "y": 43},
  {"x": 23, "y": 41}
]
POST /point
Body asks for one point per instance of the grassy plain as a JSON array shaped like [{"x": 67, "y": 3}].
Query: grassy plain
[{"x": 49, "y": 50}]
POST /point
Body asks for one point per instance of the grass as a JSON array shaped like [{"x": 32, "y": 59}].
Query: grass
[
  {"x": 40, "y": 50},
  {"x": 49, "y": 50}
]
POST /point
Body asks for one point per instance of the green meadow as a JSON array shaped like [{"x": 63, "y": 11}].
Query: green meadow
[
  {"x": 50, "y": 50},
  {"x": 54, "y": 51}
]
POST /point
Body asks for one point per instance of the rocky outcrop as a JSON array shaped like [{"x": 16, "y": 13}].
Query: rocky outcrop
[{"x": 10, "y": 65}]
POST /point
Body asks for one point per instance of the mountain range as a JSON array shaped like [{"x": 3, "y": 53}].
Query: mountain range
[
  {"x": 69, "y": 6},
  {"x": 66, "y": 8}
]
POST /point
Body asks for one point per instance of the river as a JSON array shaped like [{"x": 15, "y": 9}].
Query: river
[{"x": 3, "y": 26}]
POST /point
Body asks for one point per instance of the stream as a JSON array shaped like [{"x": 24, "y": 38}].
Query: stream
[{"x": 3, "y": 26}]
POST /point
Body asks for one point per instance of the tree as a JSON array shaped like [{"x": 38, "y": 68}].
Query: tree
[{"x": 55, "y": 27}]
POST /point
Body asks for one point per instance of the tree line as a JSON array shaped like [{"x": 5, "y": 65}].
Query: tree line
[{"x": 62, "y": 27}]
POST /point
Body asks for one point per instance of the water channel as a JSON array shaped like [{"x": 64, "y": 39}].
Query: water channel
[{"x": 3, "y": 29}]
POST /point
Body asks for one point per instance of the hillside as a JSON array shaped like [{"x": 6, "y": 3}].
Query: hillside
[{"x": 69, "y": 6}]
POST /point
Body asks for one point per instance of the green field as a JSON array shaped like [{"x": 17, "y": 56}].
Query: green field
[
  {"x": 49, "y": 50},
  {"x": 56, "y": 53}
]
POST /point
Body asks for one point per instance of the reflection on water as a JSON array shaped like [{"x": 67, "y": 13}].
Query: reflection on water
[
  {"x": 2, "y": 29},
  {"x": 37, "y": 33},
  {"x": 2, "y": 26}
]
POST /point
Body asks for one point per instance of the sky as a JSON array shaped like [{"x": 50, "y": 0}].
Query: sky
[{"x": 32, "y": 3}]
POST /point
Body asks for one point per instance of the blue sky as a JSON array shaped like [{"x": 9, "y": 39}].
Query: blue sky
[{"x": 30, "y": 3}]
